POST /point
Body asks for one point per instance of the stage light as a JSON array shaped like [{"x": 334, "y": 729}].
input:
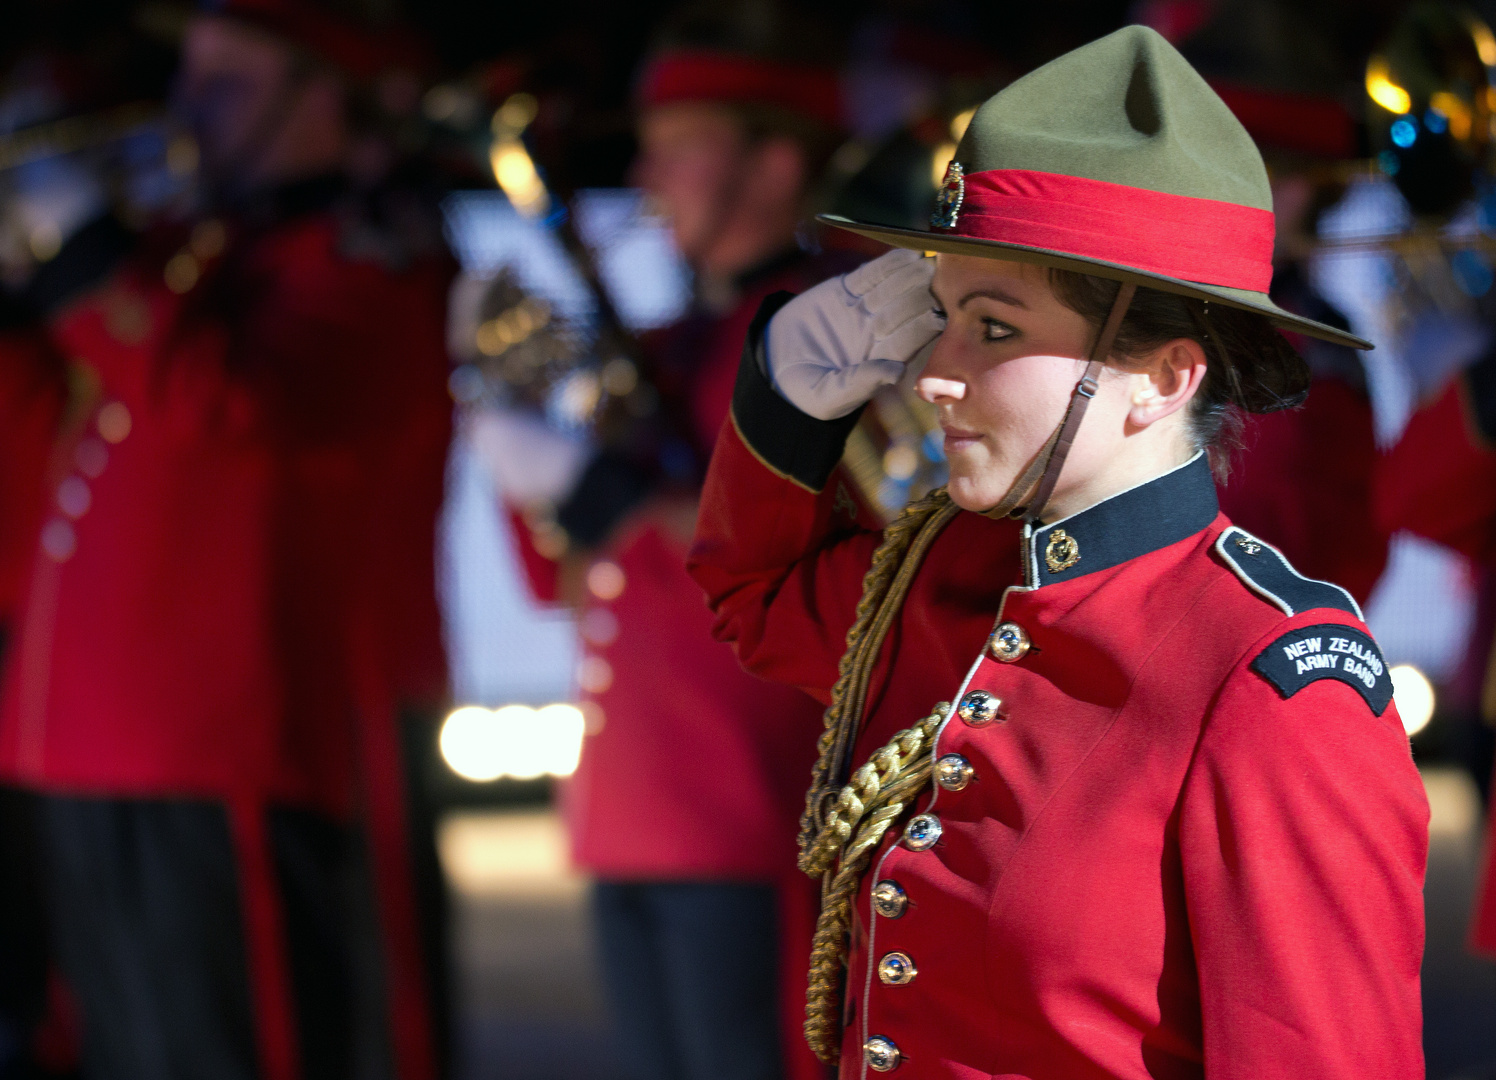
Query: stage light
[
  {"x": 564, "y": 727},
  {"x": 515, "y": 173},
  {"x": 516, "y": 741},
  {"x": 1414, "y": 695},
  {"x": 472, "y": 744},
  {"x": 1384, "y": 91}
]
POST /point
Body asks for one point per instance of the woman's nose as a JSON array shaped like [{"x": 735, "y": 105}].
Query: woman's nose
[
  {"x": 934, "y": 384},
  {"x": 936, "y": 390}
]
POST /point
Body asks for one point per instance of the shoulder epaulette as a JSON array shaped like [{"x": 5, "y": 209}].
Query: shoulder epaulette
[
  {"x": 1307, "y": 654},
  {"x": 1264, "y": 570}
]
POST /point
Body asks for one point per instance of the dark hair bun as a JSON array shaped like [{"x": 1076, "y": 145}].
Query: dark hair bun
[{"x": 1252, "y": 366}]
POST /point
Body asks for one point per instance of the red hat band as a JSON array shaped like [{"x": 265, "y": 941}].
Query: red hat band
[
  {"x": 1201, "y": 240},
  {"x": 362, "y": 52},
  {"x": 734, "y": 79}
]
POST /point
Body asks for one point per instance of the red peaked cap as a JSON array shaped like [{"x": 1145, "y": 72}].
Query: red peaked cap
[
  {"x": 737, "y": 79},
  {"x": 360, "y": 51}
]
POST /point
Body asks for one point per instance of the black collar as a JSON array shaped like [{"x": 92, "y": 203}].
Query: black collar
[{"x": 1153, "y": 515}]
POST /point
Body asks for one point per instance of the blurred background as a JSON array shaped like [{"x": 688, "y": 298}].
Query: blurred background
[{"x": 359, "y": 363}]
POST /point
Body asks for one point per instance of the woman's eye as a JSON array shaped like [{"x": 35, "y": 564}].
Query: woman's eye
[
  {"x": 939, "y": 314},
  {"x": 996, "y": 331}
]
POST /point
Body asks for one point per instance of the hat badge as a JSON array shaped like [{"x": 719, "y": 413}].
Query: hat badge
[{"x": 950, "y": 197}]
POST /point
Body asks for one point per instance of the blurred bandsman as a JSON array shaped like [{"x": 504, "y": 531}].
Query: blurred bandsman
[
  {"x": 685, "y": 803},
  {"x": 1429, "y": 93},
  {"x": 233, "y": 587},
  {"x": 1439, "y": 481},
  {"x": 1284, "y": 80}
]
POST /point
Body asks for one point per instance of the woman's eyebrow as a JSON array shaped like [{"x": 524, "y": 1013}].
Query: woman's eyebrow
[{"x": 993, "y": 294}]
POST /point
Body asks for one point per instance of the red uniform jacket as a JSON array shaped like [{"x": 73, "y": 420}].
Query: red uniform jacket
[
  {"x": 1440, "y": 481},
  {"x": 33, "y": 390},
  {"x": 186, "y": 627},
  {"x": 1193, "y": 842}
]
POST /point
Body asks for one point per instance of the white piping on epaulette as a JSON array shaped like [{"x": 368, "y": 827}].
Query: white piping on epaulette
[
  {"x": 872, "y": 915},
  {"x": 1272, "y": 597}
]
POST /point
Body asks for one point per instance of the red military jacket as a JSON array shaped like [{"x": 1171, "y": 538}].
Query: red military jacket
[
  {"x": 33, "y": 391},
  {"x": 1178, "y": 833},
  {"x": 223, "y": 497}
]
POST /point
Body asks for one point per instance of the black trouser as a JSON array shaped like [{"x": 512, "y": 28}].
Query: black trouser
[
  {"x": 692, "y": 977},
  {"x": 147, "y": 918},
  {"x": 23, "y": 934}
]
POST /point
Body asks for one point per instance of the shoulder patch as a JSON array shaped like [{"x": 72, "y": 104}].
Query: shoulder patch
[
  {"x": 1327, "y": 651},
  {"x": 1265, "y": 571}
]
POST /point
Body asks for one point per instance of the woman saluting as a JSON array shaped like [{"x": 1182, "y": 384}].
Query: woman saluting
[{"x": 1169, "y": 825}]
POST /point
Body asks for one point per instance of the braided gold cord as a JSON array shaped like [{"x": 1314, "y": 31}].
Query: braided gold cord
[
  {"x": 905, "y": 542},
  {"x": 866, "y": 808},
  {"x": 841, "y": 827},
  {"x": 867, "y": 788}
]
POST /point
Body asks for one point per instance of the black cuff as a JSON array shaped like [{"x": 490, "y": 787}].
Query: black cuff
[
  {"x": 85, "y": 260},
  {"x": 787, "y": 440},
  {"x": 1481, "y": 380},
  {"x": 609, "y": 488}
]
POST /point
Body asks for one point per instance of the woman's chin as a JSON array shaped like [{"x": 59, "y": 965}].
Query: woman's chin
[{"x": 975, "y": 493}]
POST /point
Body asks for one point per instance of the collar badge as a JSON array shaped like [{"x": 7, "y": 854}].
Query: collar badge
[
  {"x": 1250, "y": 546},
  {"x": 1062, "y": 552},
  {"x": 952, "y": 195}
]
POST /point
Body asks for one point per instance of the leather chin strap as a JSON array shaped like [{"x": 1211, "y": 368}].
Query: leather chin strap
[{"x": 1043, "y": 472}]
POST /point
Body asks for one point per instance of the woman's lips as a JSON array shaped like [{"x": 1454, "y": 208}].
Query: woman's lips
[{"x": 959, "y": 439}]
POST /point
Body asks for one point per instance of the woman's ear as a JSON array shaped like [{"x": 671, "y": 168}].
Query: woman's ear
[{"x": 1172, "y": 377}]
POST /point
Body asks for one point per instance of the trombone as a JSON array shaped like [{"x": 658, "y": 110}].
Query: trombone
[{"x": 75, "y": 134}]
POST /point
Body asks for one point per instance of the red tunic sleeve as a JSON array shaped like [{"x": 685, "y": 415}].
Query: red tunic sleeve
[
  {"x": 1439, "y": 481},
  {"x": 1303, "y": 831},
  {"x": 781, "y": 542}
]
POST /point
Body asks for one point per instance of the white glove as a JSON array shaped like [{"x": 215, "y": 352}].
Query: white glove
[
  {"x": 529, "y": 461},
  {"x": 832, "y": 347}
]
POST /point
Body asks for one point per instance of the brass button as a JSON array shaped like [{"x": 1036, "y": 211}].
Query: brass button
[
  {"x": 896, "y": 969},
  {"x": 889, "y": 899},
  {"x": 1008, "y": 642},
  {"x": 881, "y": 1054},
  {"x": 953, "y": 772},
  {"x": 922, "y": 832},
  {"x": 978, "y": 708}
]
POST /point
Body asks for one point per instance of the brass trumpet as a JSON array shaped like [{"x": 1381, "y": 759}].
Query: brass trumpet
[{"x": 75, "y": 134}]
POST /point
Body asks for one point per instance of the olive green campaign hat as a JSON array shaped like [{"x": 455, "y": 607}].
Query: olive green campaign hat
[{"x": 1116, "y": 160}]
